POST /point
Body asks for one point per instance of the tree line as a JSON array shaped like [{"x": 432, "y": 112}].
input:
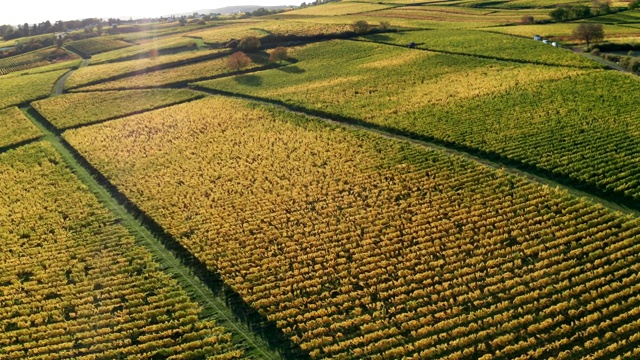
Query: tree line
[
  {"x": 570, "y": 12},
  {"x": 9, "y": 32}
]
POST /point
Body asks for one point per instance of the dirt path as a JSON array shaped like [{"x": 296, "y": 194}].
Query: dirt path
[
  {"x": 601, "y": 61},
  {"x": 58, "y": 88}
]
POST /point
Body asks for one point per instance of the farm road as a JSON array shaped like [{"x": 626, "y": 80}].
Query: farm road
[
  {"x": 58, "y": 88},
  {"x": 602, "y": 61}
]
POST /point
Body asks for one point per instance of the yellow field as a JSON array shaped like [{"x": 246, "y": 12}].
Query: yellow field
[
  {"x": 155, "y": 44},
  {"x": 182, "y": 74},
  {"x": 336, "y": 9},
  {"x": 263, "y": 28},
  {"x": 16, "y": 127},
  {"x": 362, "y": 247},
  {"x": 75, "y": 285},
  {"x": 16, "y": 89},
  {"x": 84, "y": 108},
  {"x": 460, "y": 15},
  {"x": 95, "y": 73}
]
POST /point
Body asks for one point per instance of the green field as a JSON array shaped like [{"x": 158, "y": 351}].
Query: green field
[
  {"x": 16, "y": 89},
  {"x": 343, "y": 195},
  {"x": 486, "y": 44}
]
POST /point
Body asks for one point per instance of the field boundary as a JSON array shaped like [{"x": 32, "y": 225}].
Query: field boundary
[{"x": 614, "y": 201}]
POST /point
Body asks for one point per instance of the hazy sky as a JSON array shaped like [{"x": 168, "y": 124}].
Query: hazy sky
[{"x": 35, "y": 11}]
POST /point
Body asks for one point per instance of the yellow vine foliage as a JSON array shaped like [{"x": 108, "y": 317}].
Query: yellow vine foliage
[
  {"x": 16, "y": 127},
  {"x": 73, "y": 282},
  {"x": 362, "y": 247}
]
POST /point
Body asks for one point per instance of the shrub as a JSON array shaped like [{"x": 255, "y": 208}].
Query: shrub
[
  {"x": 249, "y": 44},
  {"x": 360, "y": 26},
  {"x": 238, "y": 60},
  {"x": 595, "y": 52},
  {"x": 278, "y": 54},
  {"x": 635, "y": 64}
]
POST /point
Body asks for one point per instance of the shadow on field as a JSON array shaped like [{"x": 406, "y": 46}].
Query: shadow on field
[
  {"x": 249, "y": 80},
  {"x": 292, "y": 69},
  {"x": 379, "y": 38}
]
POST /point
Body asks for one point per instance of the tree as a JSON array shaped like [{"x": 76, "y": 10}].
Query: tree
[
  {"x": 560, "y": 14},
  {"x": 601, "y": 7},
  {"x": 634, "y": 4},
  {"x": 238, "y": 60},
  {"x": 570, "y": 12},
  {"x": 579, "y": 11},
  {"x": 278, "y": 54},
  {"x": 6, "y": 30},
  {"x": 183, "y": 21},
  {"x": 249, "y": 44},
  {"x": 588, "y": 32},
  {"x": 360, "y": 26}
]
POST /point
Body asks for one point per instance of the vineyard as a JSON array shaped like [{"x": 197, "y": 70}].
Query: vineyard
[
  {"x": 143, "y": 50},
  {"x": 362, "y": 247},
  {"x": 183, "y": 74},
  {"x": 390, "y": 179},
  {"x": 563, "y": 31},
  {"x": 73, "y": 282},
  {"x": 16, "y": 89},
  {"x": 260, "y": 29},
  {"x": 338, "y": 9},
  {"x": 492, "y": 45},
  {"x": 16, "y": 128},
  {"x": 571, "y": 126},
  {"x": 32, "y": 60},
  {"x": 97, "y": 73},
  {"x": 97, "y": 45},
  {"x": 84, "y": 108}
]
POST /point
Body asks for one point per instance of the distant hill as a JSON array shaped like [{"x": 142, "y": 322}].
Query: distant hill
[{"x": 236, "y": 9}]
